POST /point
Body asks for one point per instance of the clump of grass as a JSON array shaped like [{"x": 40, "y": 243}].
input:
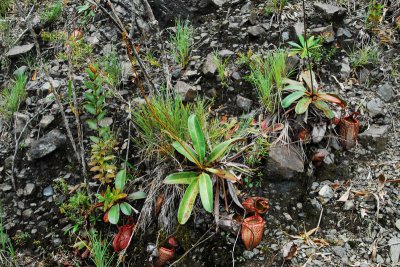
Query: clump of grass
[
  {"x": 267, "y": 74},
  {"x": 7, "y": 252},
  {"x": 112, "y": 71},
  {"x": 279, "y": 5},
  {"x": 366, "y": 55},
  {"x": 4, "y": 5},
  {"x": 13, "y": 95},
  {"x": 99, "y": 250},
  {"x": 221, "y": 68},
  {"x": 154, "y": 141},
  {"x": 181, "y": 42},
  {"x": 375, "y": 12},
  {"x": 52, "y": 13}
]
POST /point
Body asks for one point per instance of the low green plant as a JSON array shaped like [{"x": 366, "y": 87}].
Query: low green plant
[
  {"x": 366, "y": 55},
  {"x": 53, "y": 13},
  {"x": 81, "y": 51},
  {"x": 7, "y": 252},
  {"x": 181, "y": 42},
  {"x": 76, "y": 209},
  {"x": 114, "y": 201},
  {"x": 279, "y": 5},
  {"x": 209, "y": 163},
  {"x": 310, "y": 95},
  {"x": 13, "y": 95},
  {"x": 153, "y": 142},
  {"x": 221, "y": 68},
  {"x": 301, "y": 48},
  {"x": 20, "y": 238},
  {"x": 112, "y": 70},
  {"x": 4, "y": 5},
  {"x": 267, "y": 74},
  {"x": 152, "y": 60},
  {"x": 87, "y": 11},
  {"x": 375, "y": 12},
  {"x": 99, "y": 253},
  {"x": 54, "y": 37}
]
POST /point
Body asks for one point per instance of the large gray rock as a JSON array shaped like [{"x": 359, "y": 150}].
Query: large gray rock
[
  {"x": 330, "y": 12},
  {"x": 256, "y": 30},
  {"x": 47, "y": 144},
  {"x": 284, "y": 162},
  {"x": 385, "y": 92},
  {"x": 327, "y": 32},
  {"x": 209, "y": 66},
  {"x": 19, "y": 50},
  {"x": 375, "y": 107},
  {"x": 186, "y": 91},
  {"x": 375, "y": 137}
]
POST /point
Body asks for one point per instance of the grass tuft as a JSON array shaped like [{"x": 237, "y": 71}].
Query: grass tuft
[
  {"x": 99, "y": 250},
  {"x": 13, "y": 95},
  {"x": 52, "y": 14},
  {"x": 368, "y": 54},
  {"x": 181, "y": 42}
]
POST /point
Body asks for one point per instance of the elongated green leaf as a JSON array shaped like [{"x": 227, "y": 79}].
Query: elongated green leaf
[
  {"x": 90, "y": 108},
  {"x": 295, "y": 87},
  {"x": 125, "y": 208},
  {"x": 302, "y": 105},
  {"x": 295, "y": 44},
  {"x": 113, "y": 214},
  {"x": 90, "y": 97},
  {"x": 92, "y": 124},
  {"x": 181, "y": 178},
  {"x": 197, "y": 136},
  {"x": 223, "y": 174},
  {"x": 219, "y": 151},
  {"x": 206, "y": 191},
  {"x": 332, "y": 98},
  {"x": 287, "y": 101},
  {"x": 120, "y": 180},
  {"x": 301, "y": 39},
  {"x": 321, "y": 105},
  {"x": 187, "y": 202},
  {"x": 189, "y": 152},
  {"x": 137, "y": 195}
]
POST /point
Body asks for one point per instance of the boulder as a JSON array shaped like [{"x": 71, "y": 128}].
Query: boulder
[
  {"x": 385, "y": 92},
  {"x": 209, "y": 66},
  {"x": 284, "y": 162},
  {"x": 19, "y": 50},
  {"x": 375, "y": 137},
  {"x": 330, "y": 12},
  {"x": 186, "y": 91},
  {"x": 256, "y": 31},
  {"x": 46, "y": 145}
]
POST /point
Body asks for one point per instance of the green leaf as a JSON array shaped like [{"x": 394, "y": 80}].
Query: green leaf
[
  {"x": 332, "y": 98},
  {"x": 90, "y": 73},
  {"x": 187, "y": 202},
  {"x": 90, "y": 108},
  {"x": 181, "y": 178},
  {"x": 301, "y": 39},
  {"x": 295, "y": 87},
  {"x": 90, "y": 97},
  {"x": 219, "y": 151},
  {"x": 137, "y": 195},
  {"x": 120, "y": 180},
  {"x": 92, "y": 124},
  {"x": 113, "y": 214},
  {"x": 321, "y": 105},
  {"x": 189, "y": 152},
  {"x": 206, "y": 191},
  {"x": 125, "y": 208},
  {"x": 101, "y": 115},
  {"x": 287, "y": 101},
  {"x": 197, "y": 136},
  {"x": 223, "y": 174},
  {"x": 294, "y": 44},
  {"x": 302, "y": 105},
  {"x": 94, "y": 139}
]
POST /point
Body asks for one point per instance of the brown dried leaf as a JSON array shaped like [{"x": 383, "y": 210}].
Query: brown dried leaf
[
  {"x": 289, "y": 251},
  {"x": 381, "y": 181},
  {"x": 345, "y": 196},
  {"x": 320, "y": 242}
]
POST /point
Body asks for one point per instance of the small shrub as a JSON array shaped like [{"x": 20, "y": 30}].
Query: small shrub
[
  {"x": 81, "y": 51},
  {"x": 55, "y": 37},
  {"x": 7, "y": 252},
  {"x": 52, "y": 14},
  {"x": 181, "y": 42},
  {"x": 13, "y": 95},
  {"x": 4, "y": 5},
  {"x": 368, "y": 54},
  {"x": 375, "y": 12},
  {"x": 75, "y": 209}
]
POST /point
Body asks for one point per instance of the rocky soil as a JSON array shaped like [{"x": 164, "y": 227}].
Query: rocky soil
[{"x": 343, "y": 212}]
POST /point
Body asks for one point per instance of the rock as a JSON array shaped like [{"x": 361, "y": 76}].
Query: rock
[
  {"x": 375, "y": 106},
  {"x": 348, "y": 205},
  {"x": 18, "y": 50},
  {"x": 326, "y": 192},
  {"x": 339, "y": 251},
  {"x": 284, "y": 162},
  {"x": 327, "y": 33},
  {"x": 21, "y": 70},
  {"x": 298, "y": 29},
  {"x": 57, "y": 242},
  {"x": 394, "y": 244},
  {"x": 318, "y": 132},
  {"x": 330, "y": 12},
  {"x": 285, "y": 36},
  {"x": 256, "y": 31},
  {"x": 20, "y": 120},
  {"x": 292, "y": 63},
  {"x": 398, "y": 224},
  {"x": 27, "y": 213},
  {"x": 248, "y": 254},
  {"x": 219, "y": 2},
  {"x": 225, "y": 53},
  {"x": 385, "y": 92},
  {"x": 345, "y": 70},
  {"x": 54, "y": 84},
  {"x": 209, "y": 66},
  {"x": 106, "y": 122},
  {"x": 5, "y": 187},
  {"x": 375, "y": 137},
  {"x": 186, "y": 91},
  {"x": 244, "y": 103},
  {"x": 48, "y": 191},
  {"x": 343, "y": 32},
  {"x": 29, "y": 189},
  {"x": 47, "y": 144},
  {"x": 246, "y": 8},
  {"x": 45, "y": 121}
]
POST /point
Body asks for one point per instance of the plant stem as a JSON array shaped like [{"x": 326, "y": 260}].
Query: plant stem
[{"x": 305, "y": 41}]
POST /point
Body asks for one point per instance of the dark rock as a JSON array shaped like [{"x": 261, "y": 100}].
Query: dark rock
[
  {"x": 18, "y": 50},
  {"x": 186, "y": 91},
  {"x": 385, "y": 92},
  {"x": 256, "y": 31},
  {"x": 326, "y": 32},
  {"x": 330, "y": 12},
  {"x": 20, "y": 122},
  {"x": 343, "y": 32},
  {"x": 284, "y": 162},
  {"x": 45, "y": 121},
  {"x": 375, "y": 137},
  {"x": 47, "y": 144},
  {"x": 209, "y": 66}
]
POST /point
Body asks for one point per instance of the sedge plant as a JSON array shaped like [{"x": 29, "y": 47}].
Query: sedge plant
[
  {"x": 12, "y": 96},
  {"x": 99, "y": 253},
  {"x": 181, "y": 42},
  {"x": 221, "y": 68}
]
